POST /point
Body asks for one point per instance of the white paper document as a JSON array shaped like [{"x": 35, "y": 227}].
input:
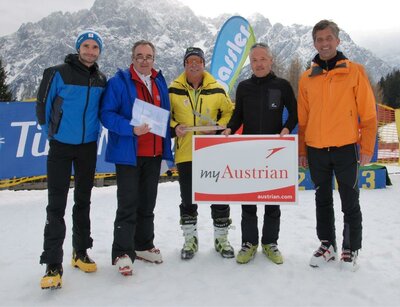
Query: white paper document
[{"x": 146, "y": 113}]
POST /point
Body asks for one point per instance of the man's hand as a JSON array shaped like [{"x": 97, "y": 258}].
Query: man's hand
[
  {"x": 303, "y": 162},
  {"x": 365, "y": 159},
  {"x": 284, "y": 131},
  {"x": 227, "y": 132},
  {"x": 180, "y": 130},
  {"x": 142, "y": 129}
]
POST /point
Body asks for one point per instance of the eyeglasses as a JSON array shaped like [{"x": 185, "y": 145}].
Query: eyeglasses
[
  {"x": 194, "y": 61},
  {"x": 141, "y": 59}
]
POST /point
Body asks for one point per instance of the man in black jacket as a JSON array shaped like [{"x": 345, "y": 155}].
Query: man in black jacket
[{"x": 260, "y": 101}]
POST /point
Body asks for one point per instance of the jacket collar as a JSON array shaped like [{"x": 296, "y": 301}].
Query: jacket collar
[
  {"x": 73, "y": 60},
  {"x": 207, "y": 80},
  {"x": 135, "y": 76},
  {"x": 320, "y": 66},
  {"x": 264, "y": 79}
]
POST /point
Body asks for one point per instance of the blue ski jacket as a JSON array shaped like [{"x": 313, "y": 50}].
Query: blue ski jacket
[
  {"x": 68, "y": 101},
  {"x": 116, "y": 114}
]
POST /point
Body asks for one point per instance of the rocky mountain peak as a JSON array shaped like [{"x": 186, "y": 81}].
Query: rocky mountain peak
[{"x": 169, "y": 24}]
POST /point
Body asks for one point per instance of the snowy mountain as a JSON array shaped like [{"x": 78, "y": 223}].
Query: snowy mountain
[{"x": 169, "y": 24}]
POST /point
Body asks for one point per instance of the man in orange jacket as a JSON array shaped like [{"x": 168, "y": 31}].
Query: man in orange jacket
[{"x": 336, "y": 110}]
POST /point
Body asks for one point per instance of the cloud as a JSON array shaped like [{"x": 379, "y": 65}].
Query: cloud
[{"x": 15, "y": 13}]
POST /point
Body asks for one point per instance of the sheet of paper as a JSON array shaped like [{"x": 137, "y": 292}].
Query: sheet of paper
[{"x": 146, "y": 113}]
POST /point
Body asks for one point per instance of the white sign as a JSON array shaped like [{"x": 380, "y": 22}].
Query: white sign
[
  {"x": 245, "y": 169},
  {"x": 146, "y": 113}
]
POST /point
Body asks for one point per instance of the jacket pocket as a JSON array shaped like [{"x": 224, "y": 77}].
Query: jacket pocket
[
  {"x": 56, "y": 116},
  {"x": 274, "y": 99}
]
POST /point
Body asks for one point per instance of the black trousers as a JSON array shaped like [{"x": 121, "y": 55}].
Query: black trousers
[
  {"x": 136, "y": 194},
  {"x": 271, "y": 224},
  {"x": 185, "y": 184},
  {"x": 60, "y": 159},
  {"x": 341, "y": 161}
]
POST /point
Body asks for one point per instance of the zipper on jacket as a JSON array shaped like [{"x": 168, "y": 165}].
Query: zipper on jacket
[
  {"x": 324, "y": 105},
  {"x": 194, "y": 116},
  {"x": 262, "y": 111},
  {"x": 86, "y": 106},
  {"x": 150, "y": 98},
  {"x": 201, "y": 104},
  {"x": 154, "y": 145},
  {"x": 154, "y": 136}
]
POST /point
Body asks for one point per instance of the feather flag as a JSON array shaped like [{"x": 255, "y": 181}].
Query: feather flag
[{"x": 231, "y": 50}]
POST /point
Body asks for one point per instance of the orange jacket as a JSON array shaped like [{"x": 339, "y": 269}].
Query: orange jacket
[{"x": 336, "y": 108}]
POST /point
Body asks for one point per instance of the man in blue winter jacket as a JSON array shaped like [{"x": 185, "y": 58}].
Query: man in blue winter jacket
[
  {"x": 67, "y": 110},
  {"x": 137, "y": 154}
]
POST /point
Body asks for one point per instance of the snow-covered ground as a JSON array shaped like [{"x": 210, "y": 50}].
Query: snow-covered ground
[
  {"x": 207, "y": 279},
  {"x": 388, "y": 133}
]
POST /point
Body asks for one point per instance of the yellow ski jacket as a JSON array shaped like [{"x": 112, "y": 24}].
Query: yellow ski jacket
[{"x": 209, "y": 105}]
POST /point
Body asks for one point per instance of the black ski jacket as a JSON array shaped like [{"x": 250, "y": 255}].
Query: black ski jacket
[{"x": 260, "y": 103}]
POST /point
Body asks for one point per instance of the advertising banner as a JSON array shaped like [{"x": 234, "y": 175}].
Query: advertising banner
[
  {"x": 24, "y": 148},
  {"x": 245, "y": 169},
  {"x": 231, "y": 50}
]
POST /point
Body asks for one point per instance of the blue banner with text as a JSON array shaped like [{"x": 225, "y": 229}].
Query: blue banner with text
[{"x": 23, "y": 147}]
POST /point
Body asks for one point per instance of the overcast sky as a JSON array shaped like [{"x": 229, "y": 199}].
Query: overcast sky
[{"x": 361, "y": 19}]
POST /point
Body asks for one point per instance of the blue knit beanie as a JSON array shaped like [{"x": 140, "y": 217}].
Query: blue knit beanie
[{"x": 88, "y": 34}]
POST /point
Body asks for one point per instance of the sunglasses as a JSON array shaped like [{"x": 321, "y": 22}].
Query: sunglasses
[{"x": 194, "y": 61}]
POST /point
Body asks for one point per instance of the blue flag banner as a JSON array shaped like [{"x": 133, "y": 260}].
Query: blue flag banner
[
  {"x": 24, "y": 148},
  {"x": 231, "y": 50}
]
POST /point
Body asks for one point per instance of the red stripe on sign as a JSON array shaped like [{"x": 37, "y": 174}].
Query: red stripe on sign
[
  {"x": 203, "y": 142},
  {"x": 286, "y": 194}
]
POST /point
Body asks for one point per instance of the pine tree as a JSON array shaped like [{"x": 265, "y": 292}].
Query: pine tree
[
  {"x": 294, "y": 74},
  {"x": 5, "y": 94},
  {"x": 378, "y": 92},
  {"x": 390, "y": 89}
]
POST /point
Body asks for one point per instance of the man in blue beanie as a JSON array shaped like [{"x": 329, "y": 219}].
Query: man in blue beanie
[
  {"x": 88, "y": 34},
  {"x": 67, "y": 109}
]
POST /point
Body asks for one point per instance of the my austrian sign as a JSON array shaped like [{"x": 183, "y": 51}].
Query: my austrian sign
[
  {"x": 237, "y": 173},
  {"x": 245, "y": 169}
]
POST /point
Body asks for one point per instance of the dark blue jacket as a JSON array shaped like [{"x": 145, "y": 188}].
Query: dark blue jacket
[
  {"x": 116, "y": 114},
  {"x": 68, "y": 101}
]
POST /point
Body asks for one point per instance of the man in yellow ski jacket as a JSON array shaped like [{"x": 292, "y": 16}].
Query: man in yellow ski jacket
[{"x": 197, "y": 99}]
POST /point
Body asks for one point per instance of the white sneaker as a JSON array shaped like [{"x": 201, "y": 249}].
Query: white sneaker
[
  {"x": 124, "y": 265},
  {"x": 349, "y": 260},
  {"x": 152, "y": 255},
  {"x": 324, "y": 254}
]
